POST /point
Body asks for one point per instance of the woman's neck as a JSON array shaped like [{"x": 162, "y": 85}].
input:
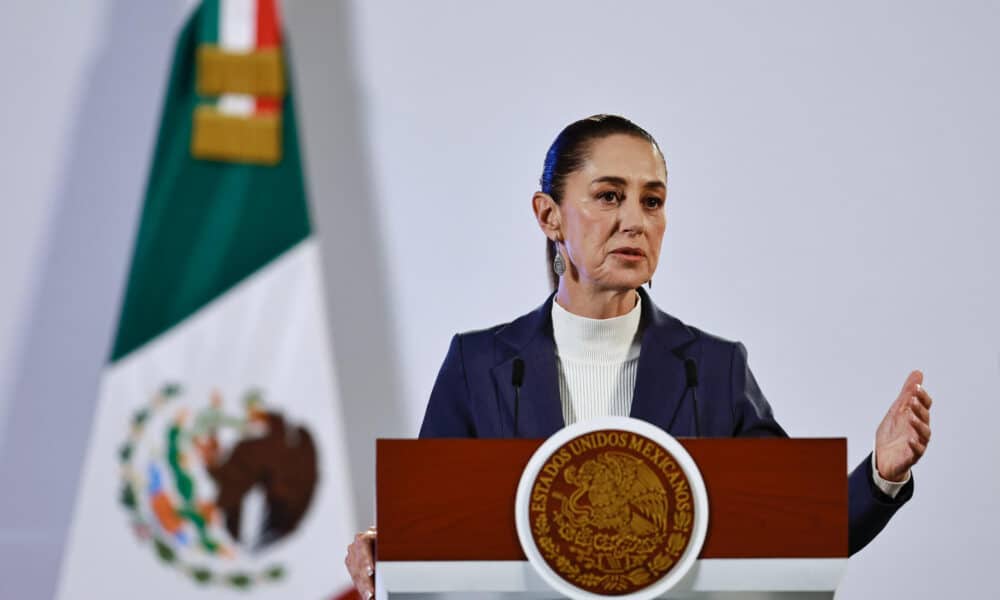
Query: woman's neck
[{"x": 595, "y": 304}]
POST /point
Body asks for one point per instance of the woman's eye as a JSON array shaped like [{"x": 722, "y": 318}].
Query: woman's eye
[
  {"x": 653, "y": 202},
  {"x": 610, "y": 196}
]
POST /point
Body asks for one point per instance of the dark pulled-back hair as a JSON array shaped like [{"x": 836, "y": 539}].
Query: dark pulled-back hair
[{"x": 570, "y": 150}]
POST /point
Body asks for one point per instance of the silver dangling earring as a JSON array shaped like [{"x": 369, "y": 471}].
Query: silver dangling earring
[{"x": 558, "y": 264}]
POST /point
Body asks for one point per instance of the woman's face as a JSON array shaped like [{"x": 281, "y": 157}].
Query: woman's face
[{"x": 612, "y": 214}]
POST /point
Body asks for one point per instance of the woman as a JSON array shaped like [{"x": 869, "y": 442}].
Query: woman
[{"x": 599, "y": 346}]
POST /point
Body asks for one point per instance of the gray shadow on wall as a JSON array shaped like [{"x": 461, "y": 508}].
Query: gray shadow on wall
[
  {"x": 75, "y": 306},
  {"x": 339, "y": 179}
]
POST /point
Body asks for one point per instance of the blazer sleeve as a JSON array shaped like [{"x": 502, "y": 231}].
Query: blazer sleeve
[
  {"x": 448, "y": 413},
  {"x": 869, "y": 510}
]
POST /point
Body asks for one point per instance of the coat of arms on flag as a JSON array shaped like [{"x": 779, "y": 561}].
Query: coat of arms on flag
[{"x": 204, "y": 484}]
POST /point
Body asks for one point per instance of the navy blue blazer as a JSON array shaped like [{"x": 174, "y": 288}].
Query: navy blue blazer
[{"x": 473, "y": 395}]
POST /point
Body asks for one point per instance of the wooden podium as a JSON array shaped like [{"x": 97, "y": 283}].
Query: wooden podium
[{"x": 777, "y": 519}]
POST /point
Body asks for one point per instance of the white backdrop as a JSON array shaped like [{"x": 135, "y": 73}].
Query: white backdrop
[{"x": 831, "y": 205}]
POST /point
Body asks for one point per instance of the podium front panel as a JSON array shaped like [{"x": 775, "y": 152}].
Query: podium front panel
[{"x": 453, "y": 499}]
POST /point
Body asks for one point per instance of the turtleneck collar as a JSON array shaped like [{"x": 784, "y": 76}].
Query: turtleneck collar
[{"x": 588, "y": 340}]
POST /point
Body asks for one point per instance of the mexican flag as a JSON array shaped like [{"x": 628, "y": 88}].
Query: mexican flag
[{"x": 216, "y": 464}]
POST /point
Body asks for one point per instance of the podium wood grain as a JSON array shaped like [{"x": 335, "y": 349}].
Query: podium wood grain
[{"x": 453, "y": 499}]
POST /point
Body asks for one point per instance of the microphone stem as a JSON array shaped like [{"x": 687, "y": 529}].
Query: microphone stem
[
  {"x": 694, "y": 405},
  {"x": 517, "y": 406}
]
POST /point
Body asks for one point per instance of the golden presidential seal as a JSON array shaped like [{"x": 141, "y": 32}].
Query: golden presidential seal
[{"x": 612, "y": 508}]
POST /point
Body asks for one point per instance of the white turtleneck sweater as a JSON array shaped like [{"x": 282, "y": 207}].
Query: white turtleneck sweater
[{"x": 597, "y": 361}]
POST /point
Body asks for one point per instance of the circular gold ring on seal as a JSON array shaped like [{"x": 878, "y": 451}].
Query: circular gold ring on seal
[{"x": 611, "y": 507}]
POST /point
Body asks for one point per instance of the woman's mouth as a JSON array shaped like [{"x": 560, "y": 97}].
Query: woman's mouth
[{"x": 629, "y": 253}]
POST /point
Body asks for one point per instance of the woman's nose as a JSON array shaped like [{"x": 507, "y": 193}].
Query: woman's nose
[{"x": 631, "y": 217}]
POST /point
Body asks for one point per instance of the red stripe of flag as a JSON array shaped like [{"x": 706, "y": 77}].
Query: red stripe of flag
[
  {"x": 268, "y": 26},
  {"x": 268, "y": 36}
]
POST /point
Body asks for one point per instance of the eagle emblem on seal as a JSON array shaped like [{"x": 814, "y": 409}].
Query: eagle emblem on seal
[{"x": 611, "y": 512}]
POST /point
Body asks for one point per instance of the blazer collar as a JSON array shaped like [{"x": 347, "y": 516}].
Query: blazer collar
[{"x": 660, "y": 380}]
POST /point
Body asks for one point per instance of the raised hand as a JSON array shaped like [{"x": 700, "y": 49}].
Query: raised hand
[{"x": 904, "y": 433}]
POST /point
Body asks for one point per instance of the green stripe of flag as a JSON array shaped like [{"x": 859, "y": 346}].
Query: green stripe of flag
[
  {"x": 205, "y": 225},
  {"x": 208, "y": 21}
]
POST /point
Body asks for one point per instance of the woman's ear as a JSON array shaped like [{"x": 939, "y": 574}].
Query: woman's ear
[{"x": 548, "y": 215}]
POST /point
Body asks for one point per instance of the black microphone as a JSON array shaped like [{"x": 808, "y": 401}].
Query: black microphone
[
  {"x": 516, "y": 379},
  {"x": 691, "y": 371}
]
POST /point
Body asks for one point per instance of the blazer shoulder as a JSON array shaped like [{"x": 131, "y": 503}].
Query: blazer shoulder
[
  {"x": 475, "y": 339},
  {"x": 711, "y": 339},
  {"x": 510, "y": 336},
  {"x": 697, "y": 337},
  {"x": 716, "y": 353},
  {"x": 479, "y": 351}
]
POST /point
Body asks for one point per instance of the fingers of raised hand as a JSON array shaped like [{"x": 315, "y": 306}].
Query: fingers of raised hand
[
  {"x": 922, "y": 396},
  {"x": 922, "y": 429},
  {"x": 918, "y": 417},
  {"x": 920, "y": 411},
  {"x": 913, "y": 393},
  {"x": 917, "y": 447}
]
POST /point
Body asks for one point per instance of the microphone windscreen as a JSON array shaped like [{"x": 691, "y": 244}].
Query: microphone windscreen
[
  {"x": 517, "y": 375},
  {"x": 691, "y": 371}
]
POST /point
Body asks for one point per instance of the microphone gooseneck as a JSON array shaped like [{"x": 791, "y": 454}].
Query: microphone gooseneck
[
  {"x": 691, "y": 371},
  {"x": 516, "y": 379}
]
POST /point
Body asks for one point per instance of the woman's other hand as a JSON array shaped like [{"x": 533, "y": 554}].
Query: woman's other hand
[
  {"x": 360, "y": 563},
  {"x": 905, "y": 432}
]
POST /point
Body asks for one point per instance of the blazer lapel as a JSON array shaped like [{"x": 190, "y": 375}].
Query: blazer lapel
[
  {"x": 660, "y": 382},
  {"x": 530, "y": 339}
]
